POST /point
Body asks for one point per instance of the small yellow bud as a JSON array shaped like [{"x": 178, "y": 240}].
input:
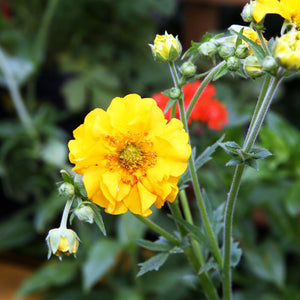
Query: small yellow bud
[
  {"x": 166, "y": 47},
  {"x": 287, "y": 50},
  {"x": 62, "y": 240}
]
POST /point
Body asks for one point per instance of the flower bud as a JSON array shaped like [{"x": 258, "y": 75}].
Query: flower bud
[
  {"x": 208, "y": 49},
  {"x": 62, "y": 240},
  {"x": 66, "y": 189},
  {"x": 287, "y": 50},
  {"x": 188, "y": 68},
  {"x": 85, "y": 213},
  {"x": 175, "y": 93},
  {"x": 242, "y": 51},
  {"x": 225, "y": 50},
  {"x": 166, "y": 47},
  {"x": 269, "y": 64},
  {"x": 233, "y": 63},
  {"x": 247, "y": 12},
  {"x": 252, "y": 67}
]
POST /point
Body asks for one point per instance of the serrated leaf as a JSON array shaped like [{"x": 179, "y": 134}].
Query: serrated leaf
[
  {"x": 154, "y": 263},
  {"x": 260, "y": 153},
  {"x": 53, "y": 273},
  {"x": 154, "y": 246},
  {"x": 234, "y": 162},
  {"x": 102, "y": 256}
]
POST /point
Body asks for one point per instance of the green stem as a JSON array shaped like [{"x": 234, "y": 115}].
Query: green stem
[
  {"x": 177, "y": 213},
  {"x": 232, "y": 196},
  {"x": 64, "y": 219},
  {"x": 259, "y": 101},
  {"x": 189, "y": 218},
  {"x": 196, "y": 185},
  {"x": 15, "y": 94},
  {"x": 40, "y": 42},
  {"x": 203, "y": 85},
  {"x": 158, "y": 229}
]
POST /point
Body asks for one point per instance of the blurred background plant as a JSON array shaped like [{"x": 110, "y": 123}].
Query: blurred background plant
[{"x": 65, "y": 59}]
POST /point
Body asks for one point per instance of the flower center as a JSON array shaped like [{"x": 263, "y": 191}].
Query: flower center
[
  {"x": 131, "y": 157},
  {"x": 131, "y": 154}
]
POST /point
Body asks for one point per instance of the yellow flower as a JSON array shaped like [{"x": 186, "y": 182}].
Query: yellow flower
[
  {"x": 287, "y": 50},
  {"x": 166, "y": 47},
  {"x": 62, "y": 240},
  {"x": 129, "y": 156},
  {"x": 288, "y": 9}
]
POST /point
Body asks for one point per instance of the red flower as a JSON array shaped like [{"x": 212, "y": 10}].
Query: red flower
[
  {"x": 207, "y": 108},
  {"x": 5, "y": 9}
]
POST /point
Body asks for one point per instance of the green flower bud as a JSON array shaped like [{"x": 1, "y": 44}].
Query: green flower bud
[
  {"x": 208, "y": 49},
  {"x": 188, "y": 68},
  {"x": 225, "y": 50},
  {"x": 247, "y": 12},
  {"x": 269, "y": 64},
  {"x": 242, "y": 51},
  {"x": 175, "y": 93},
  {"x": 85, "y": 213},
  {"x": 233, "y": 63},
  {"x": 62, "y": 241},
  {"x": 66, "y": 189},
  {"x": 166, "y": 47},
  {"x": 252, "y": 67}
]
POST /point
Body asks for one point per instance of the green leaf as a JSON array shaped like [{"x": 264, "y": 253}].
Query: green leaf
[
  {"x": 53, "y": 273},
  {"x": 74, "y": 93},
  {"x": 97, "y": 217},
  {"x": 222, "y": 72},
  {"x": 102, "y": 256},
  {"x": 207, "y": 267},
  {"x": 170, "y": 103},
  {"x": 15, "y": 231},
  {"x": 129, "y": 229},
  {"x": 193, "y": 230},
  {"x": 154, "y": 246},
  {"x": 257, "y": 50},
  {"x": 67, "y": 177},
  {"x": 292, "y": 201},
  {"x": 236, "y": 254},
  {"x": 202, "y": 159},
  {"x": 154, "y": 263}
]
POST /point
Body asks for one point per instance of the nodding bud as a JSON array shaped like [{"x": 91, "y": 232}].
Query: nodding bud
[
  {"x": 188, "y": 68},
  {"x": 225, "y": 50},
  {"x": 252, "y": 67},
  {"x": 208, "y": 48},
  {"x": 242, "y": 51},
  {"x": 62, "y": 241},
  {"x": 233, "y": 63}
]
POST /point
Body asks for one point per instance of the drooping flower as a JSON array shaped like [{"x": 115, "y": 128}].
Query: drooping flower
[
  {"x": 129, "y": 156},
  {"x": 166, "y": 47},
  {"x": 62, "y": 241},
  {"x": 207, "y": 109},
  {"x": 287, "y": 50},
  {"x": 288, "y": 9}
]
